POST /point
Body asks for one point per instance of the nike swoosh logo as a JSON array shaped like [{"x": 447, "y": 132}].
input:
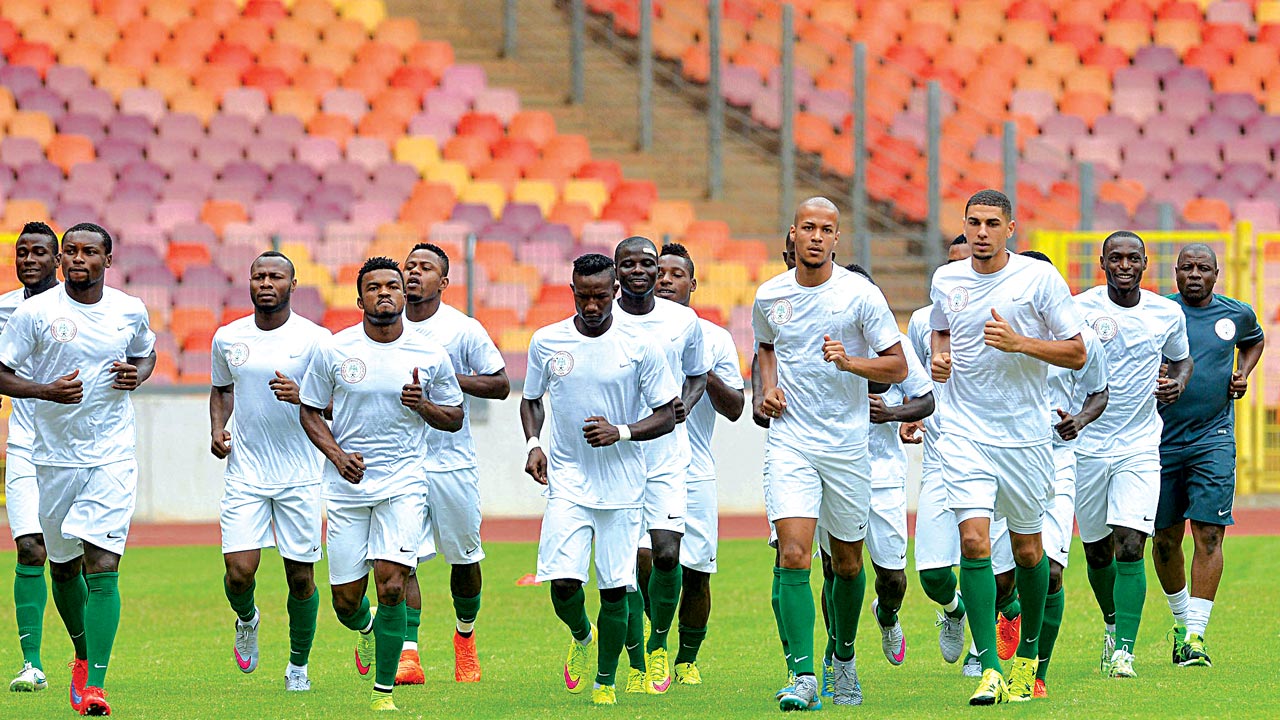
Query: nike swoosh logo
[
  {"x": 625, "y": 364},
  {"x": 114, "y": 536},
  {"x": 100, "y": 667},
  {"x": 848, "y": 644},
  {"x": 1147, "y": 519},
  {"x": 568, "y": 681},
  {"x": 656, "y": 631},
  {"x": 981, "y": 653},
  {"x": 801, "y": 659},
  {"x": 1126, "y": 640},
  {"x": 406, "y": 550},
  {"x": 1224, "y": 513},
  {"x": 364, "y": 669},
  {"x": 633, "y": 647},
  {"x": 245, "y": 662},
  {"x": 473, "y": 549},
  {"x": 674, "y": 517},
  {"x": 1031, "y": 640},
  {"x": 24, "y": 637},
  {"x": 73, "y": 637},
  {"x": 315, "y": 548}
]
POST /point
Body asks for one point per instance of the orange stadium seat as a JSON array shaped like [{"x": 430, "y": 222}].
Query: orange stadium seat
[
  {"x": 68, "y": 150},
  {"x": 1208, "y": 210},
  {"x": 536, "y": 126},
  {"x": 572, "y": 214}
]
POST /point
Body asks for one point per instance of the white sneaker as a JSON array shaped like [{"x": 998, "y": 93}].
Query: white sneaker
[
  {"x": 247, "y": 643},
  {"x": 1108, "y": 649},
  {"x": 1122, "y": 665},
  {"x": 892, "y": 641},
  {"x": 847, "y": 689},
  {"x": 972, "y": 666},
  {"x": 295, "y": 679},
  {"x": 31, "y": 679},
  {"x": 950, "y": 636}
]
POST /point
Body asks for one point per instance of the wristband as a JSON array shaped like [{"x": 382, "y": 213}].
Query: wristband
[
  {"x": 533, "y": 442},
  {"x": 624, "y": 433}
]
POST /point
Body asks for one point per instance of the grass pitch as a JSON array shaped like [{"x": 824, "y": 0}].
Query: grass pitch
[{"x": 173, "y": 656}]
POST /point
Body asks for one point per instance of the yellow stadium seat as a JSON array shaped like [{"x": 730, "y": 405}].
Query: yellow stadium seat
[
  {"x": 1268, "y": 12},
  {"x": 726, "y": 274},
  {"x": 591, "y": 193},
  {"x": 300, "y": 253},
  {"x": 537, "y": 192},
  {"x": 420, "y": 151},
  {"x": 515, "y": 339},
  {"x": 34, "y": 125},
  {"x": 485, "y": 192},
  {"x": 454, "y": 174},
  {"x": 369, "y": 13}
]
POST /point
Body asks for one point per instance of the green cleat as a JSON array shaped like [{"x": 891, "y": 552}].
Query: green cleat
[
  {"x": 382, "y": 702},
  {"x": 1193, "y": 653},
  {"x": 1178, "y": 634}
]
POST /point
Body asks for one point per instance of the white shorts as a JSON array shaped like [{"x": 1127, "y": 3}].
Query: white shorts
[
  {"x": 666, "y": 498},
  {"x": 835, "y": 489},
  {"x": 1014, "y": 482},
  {"x": 93, "y": 505},
  {"x": 21, "y": 493},
  {"x": 1117, "y": 492},
  {"x": 364, "y": 531},
  {"x": 938, "y": 535},
  {"x": 564, "y": 546},
  {"x": 887, "y": 533},
  {"x": 287, "y": 518},
  {"x": 701, "y": 527},
  {"x": 453, "y": 510},
  {"x": 1060, "y": 517}
]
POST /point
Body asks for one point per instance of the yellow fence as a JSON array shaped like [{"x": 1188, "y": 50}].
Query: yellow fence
[{"x": 1250, "y": 272}]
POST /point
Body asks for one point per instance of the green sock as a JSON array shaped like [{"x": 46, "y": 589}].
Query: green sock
[
  {"x": 1053, "y": 607},
  {"x": 1012, "y": 607},
  {"x": 828, "y": 613},
  {"x": 101, "y": 620},
  {"x": 360, "y": 620},
  {"x": 796, "y": 603},
  {"x": 572, "y": 611},
  {"x": 846, "y": 602},
  {"x": 302, "y": 627},
  {"x": 979, "y": 586},
  {"x": 466, "y": 609},
  {"x": 635, "y": 630},
  {"x": 412, "y": 620},
  {"x": 777, "y": 614},
  {"x": 388, "y": 637},
  {"x": 1130, "y": 594},
  {"x": 70, "y": 598},
  {"x": 612, "y": 624},
  {"x": 1103, "y": 582},
  {"x": 886, "y": 616},
  {"x": 690, "y": 642},
  {"x": 1033, "y": 585},
  {"x": 29, "y": 598},
  {"x": 241, "y": 603},
  {"x": 664, "y": 597},
  {"x": 940, "y": 586}
]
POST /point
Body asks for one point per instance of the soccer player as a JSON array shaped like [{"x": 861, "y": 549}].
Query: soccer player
[
  {"x": 271, "y": 496},
  {"x": 609, "y": 388},
  {"x": 998, "y": 321},
  {"x": 86, "y": 346},
  {"x": 387, "y": 385},
  {"x": 1198, "y": 447},
  {"x": 677, "y": 282},
  {"x": 815, "y": 327},
  {"x": 667, "y": 459},
  {"x": 453, "y": 480},
  {"x": 36, "y": 262},
  {"x": 1077, "y": 398},
  {"x": 1118, "y": 455}
]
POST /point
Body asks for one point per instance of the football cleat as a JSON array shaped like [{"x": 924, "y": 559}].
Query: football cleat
[
  {"x": 992, "y": 689},
  {"x": 688, "y": 674},
  {"x": 804, "y": 696},
  {"x": 296, "y": 680},
  {"x": 575, "y": 664},
  {"x": 1022, "y": 679},
  {"x": 1007, "y": 632},
  {"x": 31, "y": 679},
  {"x": 604, "y": 695},
  {"x": 635, "y": 681},
  {"x": 657, "y": 678},
  {"x": 950, "y": 636},
  {"x": 409, "y": 670},
  {"x": 382, "y": 702},
  {"x": 466, "y": 661},
  {"x": 95, "y": 702},
  {"x": 1194, "y": 653},
  {"x": 1122, "y": 665}
]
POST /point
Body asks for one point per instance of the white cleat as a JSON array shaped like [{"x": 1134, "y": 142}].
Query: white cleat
[
  {"x": 950, "y": 636},
  {"x": 31, "y": 679},
  {"x": 848, "y": 691},
  {"x": 295, "y": 679},
  {"x": 247, "y": 643},
  {"x": 892, "y": 641},
  {"x": 972, "y": 666},
  {"x": 1122, "y": 665}
]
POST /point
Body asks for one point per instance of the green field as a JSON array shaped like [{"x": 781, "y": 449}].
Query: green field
[{"x": 173, "y": 656}]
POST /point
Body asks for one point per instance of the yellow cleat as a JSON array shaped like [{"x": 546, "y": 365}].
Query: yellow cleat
[
  {"x": 382, "y": 702},
  {"x": 1022, "y": 679},
  {"x": 688, "y": 674},
  {"x": 604, "y": 695},
  {"x": 991, "y": 689},
  {"x": 658, "y": 677},
  {"x": 635, "y": 681},
  {"x": 575, "y": 665}
]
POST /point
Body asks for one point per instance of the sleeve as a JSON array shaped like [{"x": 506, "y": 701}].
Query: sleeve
[
  {"x": 317, "y": 381},
  {"x": 1057, "y": 308},
  {"x": 695, "y": 360},
  {"x": 18, "y": 341},
  {"x": 938, "y": 319},
  {"x": 1176, "y": 347},
  {"x": 879, "y": 328},
  {"x": 918, "y": 382},
  {"x": 219, "y": 370},
  {"x": 535, "y": 379},
  {"x": 919, "y": 334},
  {"x": 1093, "y": 377},
  {"x": 725, "y": 364},
  {"x": 442, "y": 388},
  {"x": 1250, "y": 331},
  {"x": 143, "y": 340},
  {"x": 482, "y": 355},
  {"x": 760, "y": 323},
  {"x": 657, "y": 386}
]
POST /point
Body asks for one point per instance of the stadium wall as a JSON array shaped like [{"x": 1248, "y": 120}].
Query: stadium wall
[{"x": 180, "y": 481}]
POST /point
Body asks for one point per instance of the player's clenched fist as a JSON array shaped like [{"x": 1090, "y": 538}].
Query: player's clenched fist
[
  {"x": 940, "y": 367},
  {"x": 126, "y": 376},
  {"x": 775, "y": 403},
  {"x": 411, "y": 393},
  {"x": 66, "y": 390},
  {"x": 599, "y": 432},
  {"x": 833, "y": 352},
  {"x": 1239, "y": 385},
  {"x": 350, "y": 467},
  {"x": 220, "y": 444},
  {"x": 1068, "y": 427},
  {"x": 285, "y": 389},
  {"x": 1168, "y": 389},
  {"x": 536, "y": 466},
  {"x": 999, "y": 334}
]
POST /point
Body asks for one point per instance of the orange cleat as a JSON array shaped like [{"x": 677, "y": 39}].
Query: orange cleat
[
  {"x": 466, "y": 663},
  {"x": 95, "y": 702},
  {"x": 1039, "y": 690},
  {"x": 1007, "y": 633},
  {"x": 79, "y": 677},
  {"x": 409, "y": 671}
]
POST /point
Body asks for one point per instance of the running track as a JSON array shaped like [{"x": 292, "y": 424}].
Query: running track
[{"x": 1249, "y": 521}]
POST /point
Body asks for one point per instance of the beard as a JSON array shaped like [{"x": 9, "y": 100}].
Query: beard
[{"x": 382, "y": 318}]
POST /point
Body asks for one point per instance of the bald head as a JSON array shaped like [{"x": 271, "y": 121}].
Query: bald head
[
  {"x": 1198, "y": 250},
  {"x": 635, "y": 243},
  {"x": 1122, "y": 235},
  {"x": 817, "y": 202}
]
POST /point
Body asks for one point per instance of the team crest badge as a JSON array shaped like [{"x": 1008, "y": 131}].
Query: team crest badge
[
  {"x": 352, "y": 370},
  {"x": 958, "y": 299},
  {"x": 1225, "y": 328},
  {"x": 1106, "y": 328},
  {"x": 562, "y": 363},
  {"x": 237, "y": 354},
  {"x": 63, "y": 330},
  {"x": 780, "y": 312}
]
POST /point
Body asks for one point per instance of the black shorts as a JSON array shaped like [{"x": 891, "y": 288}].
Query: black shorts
[{"x": 1197, "y": 482}]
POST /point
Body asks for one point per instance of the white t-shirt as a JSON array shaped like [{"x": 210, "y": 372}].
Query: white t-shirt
[
  {"x": 363, "y": 378},
  {"x": 723, "y": 357},
  {"x": 268, "y": 445},
  {"x": 1136, "y": 341},
  {"x": 620, "y": 376},
  {"x": 826, "y": 407},
  {"x": 888, "y": 456},
  {"x": 472, "y": 352},
  {"x": 921, "y": 336},
  {"x": 22, "y": 426},
  {"x": 679, "y": 336},
  {"x": 52, "y": 335},
  {"x": 1069, "y": 388},
  {"x": 998, "y": 398}
]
